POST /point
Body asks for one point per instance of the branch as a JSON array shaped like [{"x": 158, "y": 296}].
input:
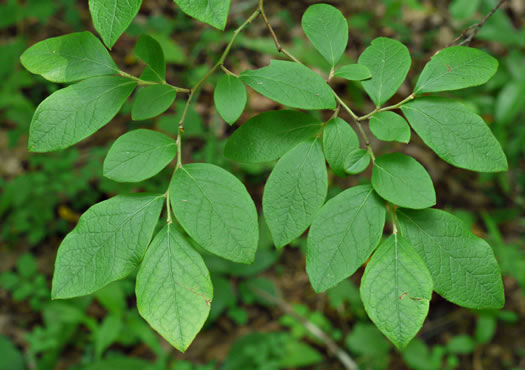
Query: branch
[
  {"x": 332, "y": 347},
  {"x": 470, "y": 32}
]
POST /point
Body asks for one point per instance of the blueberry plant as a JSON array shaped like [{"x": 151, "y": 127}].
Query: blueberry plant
[{"x": 429, "y": 249}]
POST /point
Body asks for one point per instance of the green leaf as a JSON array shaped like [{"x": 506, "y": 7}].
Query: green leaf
[
  {"x": 456, "y": 68},
  {"x": 69, "y": 58},
  {"x": 174, "y": 289},
  {"x": 291, "y": 84},
  {"x": 107, "y": 244},
  {"x": 112, "y": 17},
  {"x": 152, "y": 101},
  {"x": 149, "y": 50},
  {"x": 269, "y": 135},
  {"x": 357, "y": 161},
  {"x": 327, "y": 29},
  {"x": 230, "y": 98},
  {"x": 107, "y": 333},
  {"x": 389, "y": 61},
  {"x": 461, "y": 344},
  {"x": 139, "y": 155},
  {"x": 396, "y": 289},
  {"x": 212, "y": 12},
  {"x": 353, "y": 72},
  {"x": 462, "y": 265},
  {"x": 403, "y": 181},
  {"x": 343, "y": 235},
  {"x": 339, "y": 139},
  {"x": 457, "y": 135},
  {"x": 390, "y": 126},
  {"x": 295, "y": 191},
  {"x": 215, "y": 209},
  {"x": 71, "y": 114}
]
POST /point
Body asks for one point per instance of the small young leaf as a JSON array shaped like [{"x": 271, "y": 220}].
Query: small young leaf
[
  {"x": 457, "y": 135},
  {"x": 69, "y": 58},
  {"x": 390, "y": 126},
  {"x": 269, "y": 135},
  {"x": 454, "y": 68},
  {"x": 149, "y": 50},
  {"x": 152, "y": 101},
  {"x": 291, "y": 84},
  {"x": 389, "y": 61},
  {"x": 174, "y": 289},
  {"x": 212, "y": 12},
  {"x": 112, "y": 17},
  {"x": 77, "y": 111},
  {"x": 353, "y": 72},
  {"x": 338, "y": 141},
  {"x": 230, "y": 98},
  {"x": 215, "y": 209},
  {"x": 327, "y": 29},
  {"x": 295, "y": 191},
  {"x": 462, "y": 265},
  {"x": 400, "y": 179},
  {"x": 139, "y": 155},
  {"x": 357, "y": 161},
  {"x": 107, "y": 244},
  {"x": 396, "y": 289},
  {"x": 343, "y": 235}
]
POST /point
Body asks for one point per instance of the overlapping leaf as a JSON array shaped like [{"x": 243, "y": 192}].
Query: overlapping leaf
[
  {"x": 462, "y": 265},
  {"x": 295, "y": 191},
  {"x": 112, "y": 17},
  {"x": 339, "y": 140},
  {"x": 174, "y": 289},
  {"x": 457, "y": 135},
  {"x": 343, "y": 235},
  {"x": 269, "y": 135},
  {"x": 390, "y": 126},
  {"x": 107, "y": 244},
  {"x": 152, "y": 101},
  {"x": 230, "y": 98},
  {"x": 212, "y": 12},
  {"x": 77, "y": 111},
  {"x": 139, "y": 155},
  {"x": 291, "y": 84},
  {"x": 215, "y": 209},
  {"x": 69, "y": 58},
  {"x": 396, "y": 289}
]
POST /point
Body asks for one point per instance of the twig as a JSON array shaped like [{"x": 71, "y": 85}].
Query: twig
[
  {"x": 332, "y": 347},
  {"x": 470, "y": 32}
]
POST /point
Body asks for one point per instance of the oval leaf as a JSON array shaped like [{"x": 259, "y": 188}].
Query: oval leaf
[
  {"x": 107, "y": 244},
  {"x": 327, "y": 29},
  {"x": 269, "y": 135},
  {"x": 456, "y": 68},
  {"x": 149, "y": 50},
  {"x": 357, "y": 161},
  {"x": 457, "y": 135},
  {"x": 353, "y": 72},
  {"x": 77, "y": 111},
  {"x": 230, "y": 98},
  {"x": 174, "y": 289},
  {"x": 462, "y": 265},
  {"x": 339, "y": 140},
  {"x": 212, "y": 12},
  {"x": 112, "y": 17},
  {"x": 295, "y": 191},
  {"x": 139, "y": 155},
  {"x": 396, "y": 289},
  {"x": 152, "y": 101},
  {"x": 400, "y": 179},
  {"x": 389, "y": 61},
  {"x": 291, "y": 84},
  {"x": 390, "y": 126},
  {"x": 215, "y": 209},
  {"x": 69, "y": 58},
  {"x": 343, "y": 235}
]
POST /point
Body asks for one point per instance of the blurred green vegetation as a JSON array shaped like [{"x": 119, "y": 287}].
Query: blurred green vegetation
[{"x": 42, "y": 196}]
